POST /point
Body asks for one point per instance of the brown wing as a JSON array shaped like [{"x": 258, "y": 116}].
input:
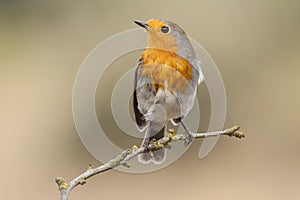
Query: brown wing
[{"x": 139, "y": 117}]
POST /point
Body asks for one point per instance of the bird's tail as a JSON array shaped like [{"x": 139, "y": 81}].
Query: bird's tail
[{"x": 157, "y": 156}]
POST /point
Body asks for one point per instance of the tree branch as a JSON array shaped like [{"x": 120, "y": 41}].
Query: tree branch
[{"x": 123, "y": 159}]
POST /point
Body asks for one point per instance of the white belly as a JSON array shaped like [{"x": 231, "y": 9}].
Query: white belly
[{"x": 175, "y": 105}]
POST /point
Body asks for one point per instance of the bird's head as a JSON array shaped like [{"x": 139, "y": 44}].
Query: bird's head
[{"x": 168, "y": 36}]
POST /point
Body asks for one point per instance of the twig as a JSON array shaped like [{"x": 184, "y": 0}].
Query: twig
[{"x": 122, "y": 159}]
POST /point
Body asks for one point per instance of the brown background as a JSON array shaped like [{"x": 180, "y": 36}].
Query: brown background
[{"x": 256, "y": 46}]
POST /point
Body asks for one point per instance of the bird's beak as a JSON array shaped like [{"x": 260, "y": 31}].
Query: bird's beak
[{"x": 142, "y": 24}]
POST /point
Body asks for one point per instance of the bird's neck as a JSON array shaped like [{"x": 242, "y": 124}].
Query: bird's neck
[{"x": 166, "y": 43}]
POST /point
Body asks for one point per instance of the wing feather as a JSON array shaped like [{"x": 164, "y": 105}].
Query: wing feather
[{"x": 139, "y": 117}]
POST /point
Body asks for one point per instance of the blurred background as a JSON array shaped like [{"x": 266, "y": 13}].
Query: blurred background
[{"x": 256, "y": 46}]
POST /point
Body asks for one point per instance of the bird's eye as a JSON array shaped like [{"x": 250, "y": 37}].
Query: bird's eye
[{"x": 164, "y": 29}]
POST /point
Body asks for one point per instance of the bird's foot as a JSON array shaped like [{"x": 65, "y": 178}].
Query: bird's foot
[{"x": 189, "y": 137}]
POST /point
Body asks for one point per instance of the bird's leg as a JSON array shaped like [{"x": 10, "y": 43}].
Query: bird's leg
[
  {"x": 188, "y": 134},
  {"x": 146, "y": 142}
]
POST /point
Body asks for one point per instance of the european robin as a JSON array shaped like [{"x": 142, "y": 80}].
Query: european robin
[{"x": 166, "y": 81}]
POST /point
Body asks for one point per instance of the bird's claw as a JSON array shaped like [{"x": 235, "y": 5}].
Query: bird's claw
[{"x": 188, "y": 138}]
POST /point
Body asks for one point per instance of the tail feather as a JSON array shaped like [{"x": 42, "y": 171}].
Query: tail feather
[{"x": 157, "y": 156}]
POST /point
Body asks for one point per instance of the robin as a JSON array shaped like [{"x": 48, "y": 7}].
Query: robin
[{"x": 165, "y": 85}]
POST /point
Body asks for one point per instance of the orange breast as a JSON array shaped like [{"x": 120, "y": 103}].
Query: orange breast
[{"x": 166, "y": 69}]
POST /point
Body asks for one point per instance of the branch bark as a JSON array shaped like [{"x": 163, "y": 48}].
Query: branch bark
[{"x": 123, "y": 158}]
